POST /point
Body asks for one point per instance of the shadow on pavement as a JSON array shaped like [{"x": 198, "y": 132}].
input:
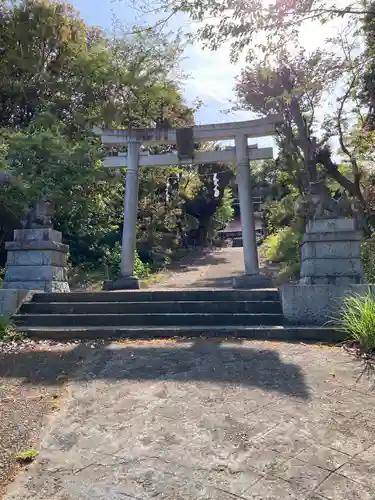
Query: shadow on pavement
[
  {"x": 219, "y": 282},
  {"x": 206, "y": 259},
  {"x": 204, "y": 360}
]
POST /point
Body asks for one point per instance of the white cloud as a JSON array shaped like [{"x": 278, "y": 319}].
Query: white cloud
[{"x": 212, "y": 80}]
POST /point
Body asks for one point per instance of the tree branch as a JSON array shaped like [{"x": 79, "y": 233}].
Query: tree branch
[
  {"x": 345, "y": 97},
  {"x": 307, "y": 146},
  {"x": 332, "y": 170},
  {"x": 160, "y": 24},
  {"x": 344, "y": 148},
  {"x": 311, "y": 103}
]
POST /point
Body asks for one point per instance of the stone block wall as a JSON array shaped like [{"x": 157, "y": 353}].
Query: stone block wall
[
  {"x": 331, "y": 253},
  {"x": 11, "y": 301},
  {"x": 37, "y": 260},
  {"x": 316, "y": 304}
]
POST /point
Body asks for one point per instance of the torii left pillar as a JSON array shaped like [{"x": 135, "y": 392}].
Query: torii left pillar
[{"x": 127, "y": 280}]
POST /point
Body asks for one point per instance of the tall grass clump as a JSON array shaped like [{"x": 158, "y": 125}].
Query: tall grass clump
[{"x": 357, "y": 319}]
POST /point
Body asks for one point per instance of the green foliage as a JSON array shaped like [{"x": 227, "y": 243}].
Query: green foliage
[
  {"x": 225, "y": 211},
  {"x": 368, "y": 259},
  {"x": 162, "y": 224},
  {"x": 7, "y": 329},
  {"x": 284, "y": 247},
  {"x": 280, "y": 213},
  {"x": 203, "y": 205},
  {"x": 279, "y": 185},
  {"x": 282, "y": 76},
  {"x": 255, "y": 29},
  {"x": 54, "y": 62},
  {"x": 357, "y": 320},
  {"x": 273, "y": 179},
  {"x": 112, "y": 261},
  {"x": 59, "y": 78},
  {"x": 295, "y": 85},
  {"x": 47, "y": 162},
  {"x": 27, "y": 456},
  {"x": 366, "y": 92},
  {"x": 43, "y": 41},
  {"x": 141, "y": 270}
]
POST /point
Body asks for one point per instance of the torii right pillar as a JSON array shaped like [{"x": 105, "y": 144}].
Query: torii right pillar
[{"x": 252, "y": 277}]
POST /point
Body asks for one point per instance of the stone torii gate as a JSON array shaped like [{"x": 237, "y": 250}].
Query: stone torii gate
[{"x": 184, "y": 139}]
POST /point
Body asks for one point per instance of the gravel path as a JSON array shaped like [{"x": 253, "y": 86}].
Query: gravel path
[{"x": 33, "y": 376}]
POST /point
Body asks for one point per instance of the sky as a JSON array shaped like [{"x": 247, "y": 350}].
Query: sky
[
  {"x": 212, "y": 76},
  {"x": 210, "y": 80}
]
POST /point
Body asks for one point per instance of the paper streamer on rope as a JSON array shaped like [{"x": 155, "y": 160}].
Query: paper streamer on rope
[
  {"x": 167, "y": 185},
  {"x": 181, "y": 176},
  {"x": 216, "y": 186}
]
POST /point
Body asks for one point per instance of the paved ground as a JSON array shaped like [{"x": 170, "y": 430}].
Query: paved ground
[
  {"x": 182, "y": 420},
  {"x": 208, "y": 420},
  {"x": 215, "y": 269}
]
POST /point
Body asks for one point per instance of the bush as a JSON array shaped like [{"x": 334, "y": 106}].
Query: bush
[
  {"x": 280, "y": 213},
  {"x": 113, "y": 261},
  {"x": 225, "y": 211},
  {"x": 368, "y": 259},
  {"x": 283, "y": 248},
  {"x": 7, "y": 329},
  {"x": 90, "y": 277},
  {"x": 141, "y": 270},
  {"x": 357, "y": 320}
]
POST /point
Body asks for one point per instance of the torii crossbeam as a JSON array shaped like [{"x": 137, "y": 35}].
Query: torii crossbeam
[{"x": 185, "y": 138}]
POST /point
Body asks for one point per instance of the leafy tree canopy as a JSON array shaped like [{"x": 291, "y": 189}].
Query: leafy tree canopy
[
  {"x": 254, "y": 26},
  {"x": 59, "y": 78}
]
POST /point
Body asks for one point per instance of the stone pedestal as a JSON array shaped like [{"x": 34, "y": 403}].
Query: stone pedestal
[
  {"x": 37, "y": 260},
  {"x": 330, "y": 253},
  {"x": 123, "y": 283},
  {"x": 252, "y": 281}
]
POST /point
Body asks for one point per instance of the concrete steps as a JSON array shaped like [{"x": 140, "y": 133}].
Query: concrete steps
[
  {"x": 154, "y": 319},
  {"x": 184, "y": 295},
  {"x": 280, "y": 333},
  {"x": 187, "y": 307},
  {"x": 255, "y": 314}
]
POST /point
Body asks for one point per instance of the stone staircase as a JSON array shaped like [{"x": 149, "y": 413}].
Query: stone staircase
[{"x": 253, "y": 314}]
